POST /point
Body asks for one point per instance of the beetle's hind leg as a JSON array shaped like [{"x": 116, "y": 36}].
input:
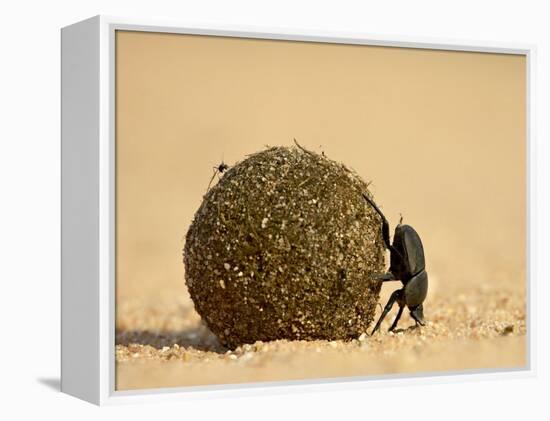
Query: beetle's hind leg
[{"x": 385, "y": 224}]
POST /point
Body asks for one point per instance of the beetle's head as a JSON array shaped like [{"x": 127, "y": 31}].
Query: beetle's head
[
  {"x": 417, "y": 313},
  {"x": 415, "y": 292}
]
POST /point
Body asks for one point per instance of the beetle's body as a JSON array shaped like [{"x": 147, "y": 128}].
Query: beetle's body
[
  {"x": 408, "y": 245},
  {"x": 407, "y": 264}
]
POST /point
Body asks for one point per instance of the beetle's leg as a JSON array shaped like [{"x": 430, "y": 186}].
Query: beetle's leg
[
  {"x": 399, "y": 313},
  {"x": 388, "y": 276},
  {"x": 393, "y": 298},
  {"x": 385, "y": 225},
  {"x": 385, "y": 228}
]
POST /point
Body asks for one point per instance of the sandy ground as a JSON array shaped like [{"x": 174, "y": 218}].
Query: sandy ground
[{"x": 162, "y": 343}]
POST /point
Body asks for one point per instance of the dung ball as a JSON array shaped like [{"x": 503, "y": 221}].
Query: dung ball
[{"x": 284, "y": 246}]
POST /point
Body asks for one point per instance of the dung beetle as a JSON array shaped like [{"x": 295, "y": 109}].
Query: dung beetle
[{"x": 407, "y": 265}]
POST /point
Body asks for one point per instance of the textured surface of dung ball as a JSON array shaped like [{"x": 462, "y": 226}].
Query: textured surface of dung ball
[{"x": 285, "y": 246}]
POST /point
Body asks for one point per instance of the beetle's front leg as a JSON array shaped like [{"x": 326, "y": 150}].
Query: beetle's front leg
[
  {"x": 395, "y": 296},
  {"x": 399, "y": 313}
]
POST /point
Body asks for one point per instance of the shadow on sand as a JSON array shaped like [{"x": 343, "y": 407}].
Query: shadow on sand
[{"x": 199, "y": 338}]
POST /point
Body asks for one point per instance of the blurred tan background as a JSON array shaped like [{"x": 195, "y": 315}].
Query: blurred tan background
[{"x": 441, "y": 135}]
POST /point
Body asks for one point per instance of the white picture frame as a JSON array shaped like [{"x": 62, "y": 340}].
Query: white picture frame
[{"x": 88, "y": 194}]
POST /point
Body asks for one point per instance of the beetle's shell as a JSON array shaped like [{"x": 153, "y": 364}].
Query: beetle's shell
[
  {"x": 408, "y": 244},
  {"x": 284, "y": 246}
]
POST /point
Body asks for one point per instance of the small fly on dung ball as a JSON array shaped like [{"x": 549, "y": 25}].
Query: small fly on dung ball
[{"x": 218, "y": 170}]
